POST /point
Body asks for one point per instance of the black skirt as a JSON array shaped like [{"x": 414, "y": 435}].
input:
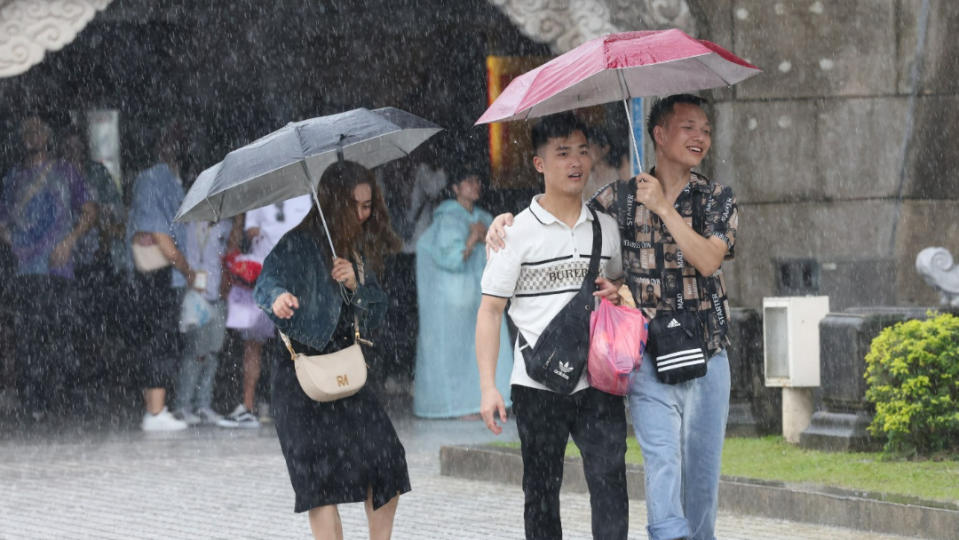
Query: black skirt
[{"x": 336, "y": 451}]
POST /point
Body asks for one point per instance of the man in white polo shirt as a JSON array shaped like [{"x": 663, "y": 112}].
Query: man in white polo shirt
[{"x": 539, "y": 272}]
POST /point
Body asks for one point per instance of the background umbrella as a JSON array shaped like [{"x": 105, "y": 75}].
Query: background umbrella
[
  {"x": 619, "y": 67},
  {"x": 289, "y": 162}
]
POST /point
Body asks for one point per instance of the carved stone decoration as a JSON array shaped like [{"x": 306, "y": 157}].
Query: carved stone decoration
[
  {"x": 652, "y": 15},
  {"x": 564, "y": 24},
  {"x": 936, "y": 267},
  {"x": 30, "y": 28}
]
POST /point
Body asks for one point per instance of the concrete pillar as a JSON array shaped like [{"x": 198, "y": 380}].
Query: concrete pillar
[{"x": 797, "y": 412}]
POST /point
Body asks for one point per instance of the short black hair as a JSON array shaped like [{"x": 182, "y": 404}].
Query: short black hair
[
  {"x": 664, "y": 107},
  {"x": 617, "y": 148},
  {"x": 560, "y": 125},
  {"x": 458, "y": 172}
]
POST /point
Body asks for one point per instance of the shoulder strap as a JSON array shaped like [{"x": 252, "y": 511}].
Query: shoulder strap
[
  {"x": 698, "y": 220},
  {"x": 597, "y": 252},
  {"x": 289, "y": 345},
  {"x": 626, "y": 203},
  {"x": 698, "y": 208},
  {"x": 361, "y": 280}
]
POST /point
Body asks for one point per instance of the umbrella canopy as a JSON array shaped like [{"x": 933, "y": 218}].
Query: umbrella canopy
[
  {"x": 618, "y": 67},
  {"x": 289, "y": 162}
]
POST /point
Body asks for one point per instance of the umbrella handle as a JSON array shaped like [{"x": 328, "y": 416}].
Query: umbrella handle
[
  {"x": 316, "y": 199},
  {"x": 632, "y": 134},
  {"x": 629, "y": 118}
]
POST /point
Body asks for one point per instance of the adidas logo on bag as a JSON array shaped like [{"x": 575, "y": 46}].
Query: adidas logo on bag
[
  {"x": 564, "y": 369},
  {"x": 673, "y": 324}
]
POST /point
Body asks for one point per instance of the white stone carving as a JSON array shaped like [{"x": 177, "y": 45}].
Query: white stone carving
[
  {"x": 652, "y": 15},
  {"x": 935, "y": 266},
  {"x": 30, "y": 28},
  {"x": 564, "y": 24}
]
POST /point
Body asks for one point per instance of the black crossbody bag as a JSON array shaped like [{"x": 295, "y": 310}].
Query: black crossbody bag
[
  {"x": 561, "y": 352},
  {"x": 677, "y": 346},
  {"x": 676, "y": 341}
]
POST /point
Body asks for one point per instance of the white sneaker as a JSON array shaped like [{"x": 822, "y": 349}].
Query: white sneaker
[
  {"x": 162, "y": 421},
  {"x": 227, "y": 423},
  {"x": 187, "y": 416},
  {"x": 263, "y": 408},
  {"x": 208, "y": 416},
  {"x": 241, "y": 418}
]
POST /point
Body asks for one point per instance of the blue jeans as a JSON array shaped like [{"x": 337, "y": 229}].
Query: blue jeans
[
  {"x": 680, "y": 428},
  {"x": 200, "y": 359}
]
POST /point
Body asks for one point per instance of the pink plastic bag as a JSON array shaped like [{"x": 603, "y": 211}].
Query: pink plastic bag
[{"x": 617, "y": 336}]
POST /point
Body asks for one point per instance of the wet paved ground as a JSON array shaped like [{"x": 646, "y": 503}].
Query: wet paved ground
[{"x": 215, "y": 483}]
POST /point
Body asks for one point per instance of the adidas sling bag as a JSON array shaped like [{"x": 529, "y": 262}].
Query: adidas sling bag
[
  {"x": 561, "y": 352},
  {"x": 677, "y": 346}
]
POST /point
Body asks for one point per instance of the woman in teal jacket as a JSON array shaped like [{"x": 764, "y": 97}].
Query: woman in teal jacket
[
  {"x": 345, "y": 450},
  {"x": 450, "y": 258}
]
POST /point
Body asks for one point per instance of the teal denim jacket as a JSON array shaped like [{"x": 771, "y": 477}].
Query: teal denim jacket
[{"x": 297, "y": 265}]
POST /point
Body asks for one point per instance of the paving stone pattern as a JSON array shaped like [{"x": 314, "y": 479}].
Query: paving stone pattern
[{"x": 209, "y": 483}]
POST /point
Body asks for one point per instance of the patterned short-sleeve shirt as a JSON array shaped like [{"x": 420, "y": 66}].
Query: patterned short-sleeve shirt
[{"x": 656, "y": 270}]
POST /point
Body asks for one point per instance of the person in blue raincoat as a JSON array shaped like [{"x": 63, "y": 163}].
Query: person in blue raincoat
[{"x": 450, "y": 258}]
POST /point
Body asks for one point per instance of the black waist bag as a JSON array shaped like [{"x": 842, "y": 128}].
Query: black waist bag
[
  {"x": 561, "y": 352},
  {"x": 677, "y": 346}
]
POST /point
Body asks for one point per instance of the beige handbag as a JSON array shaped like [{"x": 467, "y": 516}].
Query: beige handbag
[
  {"x": 148, "y": 258},
  {"x": 328, "y": 377}
]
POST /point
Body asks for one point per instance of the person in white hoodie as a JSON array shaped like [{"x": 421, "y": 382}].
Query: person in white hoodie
[{"x": 263, "y": 228}]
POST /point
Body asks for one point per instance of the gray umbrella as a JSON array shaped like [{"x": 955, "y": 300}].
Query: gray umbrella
[{"x": 289, "y": 162}]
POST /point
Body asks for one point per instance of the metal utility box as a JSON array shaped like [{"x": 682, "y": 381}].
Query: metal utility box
[{"x": 791, "y": 340}]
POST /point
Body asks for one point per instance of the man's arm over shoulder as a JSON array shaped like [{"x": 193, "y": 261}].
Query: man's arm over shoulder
[{"x": 503, "y": 267}]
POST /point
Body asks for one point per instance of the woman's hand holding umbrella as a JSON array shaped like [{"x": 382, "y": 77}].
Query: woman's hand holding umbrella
[
  {"x": 343, "y": 273},
  {"x": 284, "y": 305}
]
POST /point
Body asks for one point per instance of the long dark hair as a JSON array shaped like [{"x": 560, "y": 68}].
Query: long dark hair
[{"x": 374, "y": 238}]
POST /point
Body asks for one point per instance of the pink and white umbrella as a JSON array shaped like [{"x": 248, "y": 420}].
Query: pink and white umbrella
[{"x": 619, "y": 67}]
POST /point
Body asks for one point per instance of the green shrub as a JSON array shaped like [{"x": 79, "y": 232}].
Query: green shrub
[{"x": 912, "y": 370}]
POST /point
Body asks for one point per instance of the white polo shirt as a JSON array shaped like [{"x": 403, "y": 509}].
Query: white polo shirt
[{"x": 542, "y": 268}]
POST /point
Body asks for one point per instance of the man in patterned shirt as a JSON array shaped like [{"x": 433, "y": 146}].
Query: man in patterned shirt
[{"x": 677, "y": 227}]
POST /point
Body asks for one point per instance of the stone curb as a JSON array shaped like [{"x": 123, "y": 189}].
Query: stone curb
[{"x": 811, "y": 504}]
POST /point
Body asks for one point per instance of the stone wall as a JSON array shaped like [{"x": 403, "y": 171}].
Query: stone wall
[{"x": 842, "y": 150}]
